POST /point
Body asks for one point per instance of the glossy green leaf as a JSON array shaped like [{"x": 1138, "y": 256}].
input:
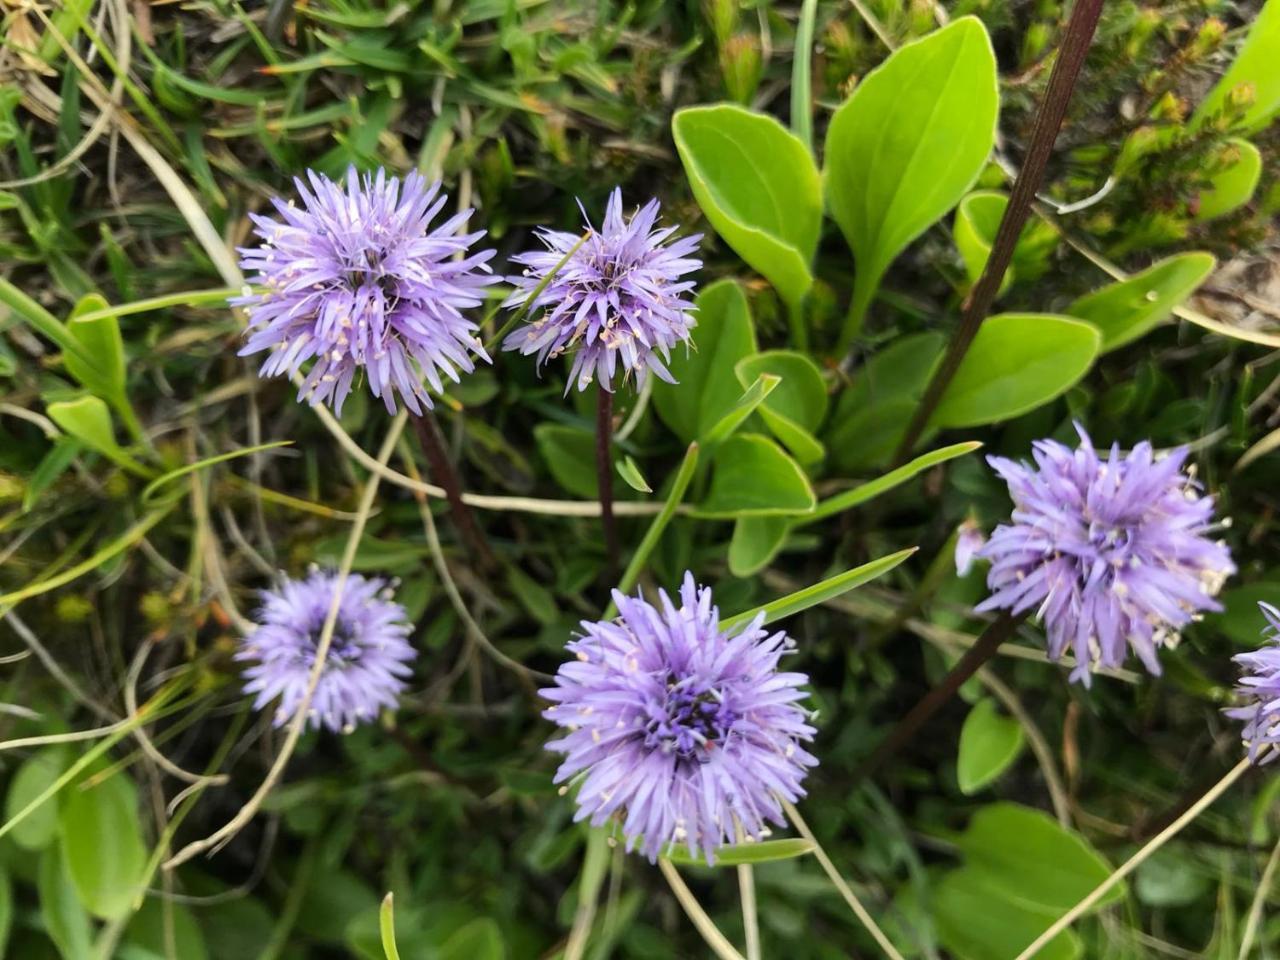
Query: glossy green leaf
[
  {"x": 974, "y": 925},
  {"x": 751, "y": 398},
  {"x": 989, "y": 743},
  {"x": 632, "y": 476},
  {"x": 907, "y": 145},
  {"x": 1018, "y": 362},
  {"x": 36, "y": 774},
  {"x": 570, "y": 455},
  {"x": 828, "y": 589},
  {"x": 756, "y": 541},
  {"x": 758, "y": 185},
  {"x": 974, "y": 229},
  {"x": 872, "y": 415},
  {"x": 754, "y": 477},
  {"x": 1028, "y": 859},
  {"x": 1232, "y": 188},
  {"x": 738, "y": 854},
  {"x": 707, "y": 388},
  {"x": 65, "y": 920},
  {"x": 1127, "y": 310},
  {"x": 796, "y": 408},
  {"x": 102, "y": 844},
  {"x": 88, "y": 420},
  {"x": 101, "y": 364},
  {"x": 1256, "y": 67}
]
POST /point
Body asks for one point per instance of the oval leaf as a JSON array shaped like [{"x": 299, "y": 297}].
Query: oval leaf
[
  {"x": 64, "y": 918},
  {"x": 753, "y": 477},
  {"x": 974, "y": 925},
  {"x": 758, "y": 186},
  {"x": 1257, "y": 66},
  {"x": 794, "y": 411},
  {"x": 907, "y": 145},
  {"x": 707, "y": 387},
  {"x": 1126, "y": 310},
  {"x": 102, "y": 845},
  {"x": 570, "y": 456},
  {"x": 989, "y": 743},
  {"x": 1018, "y": 362},
  {"x": 89, "y": 421},
  {"x": 32, "y": 779},
  {"x": 1027, "y": 858},
  {"x": 756, "y": 541},
  {"x": 1232, "y": 188},
  {"x": 100, "y": 365}
]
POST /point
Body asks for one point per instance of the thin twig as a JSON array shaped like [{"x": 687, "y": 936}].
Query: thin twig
[
  {"x": 428, "y": 431},
  {"x": 846, "y": 891},
  {"x": 987, "y": 646},
  {"x": 1101, "y": 890},
  {"x": 747, "y": 893},
  {"x": 1259, "y": 901},
  {"x": 604, "y": 478},
  {"x": 1066, "y": 68},
  {"x": 299, "y": 721},
  {"x": 716, "y": 940}
]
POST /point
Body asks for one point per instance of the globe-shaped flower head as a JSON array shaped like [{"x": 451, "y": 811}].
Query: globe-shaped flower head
[
  {"x": 356, "y": 279},
  {"x": 1259, "y": 692},
  {"x": 368, "y": 656},
  {"x": 683, "y": 732},
  {"x": 618, "y": 299},
  {"x": 1111, "y": 554}
]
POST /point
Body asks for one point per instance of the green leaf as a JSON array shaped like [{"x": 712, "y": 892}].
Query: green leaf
[
  {"x": 707, "y": 388},
  {"x": 739, "y": 854},
  {"x": 907, "y": 145},
  {"x": 1256, "y": 66},
  {"x": 88, "y": 420},
  {"x": 533, "y": 596},
  {"x": 64, "y": 918},
  {"x": 387, "y": 927},
  {"x": 989, "y": 743},
  {"x": 758, "y": 185},
  {"x": 1241, "y": 620},
  {"x": 828, "y": 589},
  {"x": 570, "y": 455},
  {"x": 872, "y": 415},
  {"x": 156, "y": 922},
  {"x": 753, "y": 477},
  {"x": 873, "y": 488},
  {"x": 746, "y": 405},
  {"x": 1127, "y": 310},
  {"x": 974, "y": 229},
  {"x": 36, "y": 775},
  {"x": 974, "y": 925},
  {"x": 1232, "y": 188},
  {"x": 102, "y": 844},
  {"x": 481, "y": 939},
  {"x": 101, "y": 364},
  {"x": 53, "y": 465},
  {"x": 632, "y": 476},
  {"x": 1018, "y": 362},
  {"x": 756, "y": 541},
  {"x": 1028, "y": 859},
  {"x": 6, "y": 910},
  {"x": 796, "y": 408}
]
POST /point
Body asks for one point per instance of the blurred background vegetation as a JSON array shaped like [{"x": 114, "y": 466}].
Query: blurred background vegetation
[{"x": 523, "y": 107}]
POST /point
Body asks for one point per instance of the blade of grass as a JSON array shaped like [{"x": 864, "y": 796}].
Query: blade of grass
[
  {"x": 387, "y": 927},
  {"x": 802, "y": 75},
  {"x": 150, "y": 489},
  {"x": 819, "y": 592},
  {"x": 861, "y": 494}
]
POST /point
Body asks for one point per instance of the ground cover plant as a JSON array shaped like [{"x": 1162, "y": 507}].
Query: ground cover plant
[{"x": 501, "y": 478}]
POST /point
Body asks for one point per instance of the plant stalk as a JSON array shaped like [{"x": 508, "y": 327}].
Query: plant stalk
[
  {"x": 432, "y": 443},
  {"x": 1000, "y": 630},
  {"x": 604, "y": 477},
  {"x": 1048, "y": 121}
]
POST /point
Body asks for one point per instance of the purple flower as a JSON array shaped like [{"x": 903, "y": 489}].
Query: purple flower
[
  {"x": 682, "y": 731},
  {"x": 969, "y": 540},
  {"x": 617, "y": 297},
  {"x": 1111, "y": 553},
  {"x": 1259, "y": 688},
  {"x": 367, "y": 659},
  {"x": 356, "y": 279}
]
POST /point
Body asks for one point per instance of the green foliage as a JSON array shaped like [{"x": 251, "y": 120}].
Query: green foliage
[{"x": 989, "y": 743}]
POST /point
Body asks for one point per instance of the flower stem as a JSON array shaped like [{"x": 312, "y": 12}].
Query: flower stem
[
  {"x": 983, "y": 650},
  {"x": 716, "y": 940},
  {"x": 432, "y": 443},
  {"x": 1136, "y": 860},
  {"x": 1075, "y": 44},
  {"x": 846, "y": 891},
  {"x": 604, "y": 477},
  {"x": 747, "y": 893}
]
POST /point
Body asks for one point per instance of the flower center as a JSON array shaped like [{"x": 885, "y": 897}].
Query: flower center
[
  {"x": 691, "y": 719},
  {"x": 344, "y": 649}
]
